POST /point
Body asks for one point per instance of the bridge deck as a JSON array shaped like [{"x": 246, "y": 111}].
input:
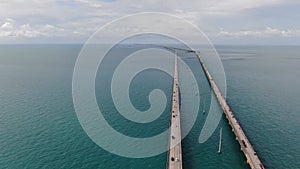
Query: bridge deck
[{"x": 175, "y": 153}]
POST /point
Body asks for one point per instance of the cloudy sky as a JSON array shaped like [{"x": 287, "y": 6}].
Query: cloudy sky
[{"x": 275, "y": 22}]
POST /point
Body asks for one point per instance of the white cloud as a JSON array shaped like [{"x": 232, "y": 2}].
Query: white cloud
[
  {"x": 201, "y": 7},
  {"x": 91, "y": 3},
  {"x": 8, "y": 24},
  {"x": 80, "y": 18},
  {"x": 264, "y": 33},
  {"x": 10, "y": 30},
  {"x": 232, "y": 7},
  {"x": 66, "y": 10}
]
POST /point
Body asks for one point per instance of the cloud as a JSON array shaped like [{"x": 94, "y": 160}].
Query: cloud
[
  {"x": 91, "y": 3},
  {"x": 80, "y": 18},
  {"x": 9, "y": 29},
  {"x": 203, "y": 7},
  {"x": 265, "y": 33},
  {"x": 8, "y": 24},
  {"x": 236, "y": 7}
]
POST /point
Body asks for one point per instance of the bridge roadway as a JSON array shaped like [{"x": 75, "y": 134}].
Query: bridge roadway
[
  {"x": 175, "y": 152},
  {"x": 251, "y": 156}
]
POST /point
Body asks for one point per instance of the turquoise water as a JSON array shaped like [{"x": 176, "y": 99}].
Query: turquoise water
[{"x": 39, "y": 127}]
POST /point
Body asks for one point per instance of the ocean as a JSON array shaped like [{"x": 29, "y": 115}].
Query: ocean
[{"x": 39, "y": 127}]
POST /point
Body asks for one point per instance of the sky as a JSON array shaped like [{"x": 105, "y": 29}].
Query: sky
[{"x": 255, "y": 22}]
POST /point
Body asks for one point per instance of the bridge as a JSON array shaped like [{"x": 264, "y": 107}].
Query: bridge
[{"x": 175, "y": 151}]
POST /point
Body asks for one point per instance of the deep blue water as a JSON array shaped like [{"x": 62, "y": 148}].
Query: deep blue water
[{"x": 39, "y": 127}]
